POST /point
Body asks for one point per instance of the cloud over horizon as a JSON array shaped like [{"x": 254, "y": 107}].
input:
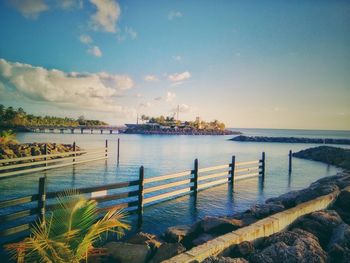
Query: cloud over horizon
[
  {"x": 178, "y": 77},
  {"x": 73, "y": 89}
]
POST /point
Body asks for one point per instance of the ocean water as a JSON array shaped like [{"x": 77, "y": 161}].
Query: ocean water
[{"x": 162, "y": 154}]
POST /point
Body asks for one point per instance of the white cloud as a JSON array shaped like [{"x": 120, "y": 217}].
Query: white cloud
[
  {"x": 29, "y": 8},
  {"x": 177, "y": 77},
  {"x": 85, "y": 39},
  {"x": 70, "y": 4},
  {"x": 131, "y": 32},
  {"x": 177, "y": 58},
  {"x": 95, "y": 51},
  {"x": 174, "y": 14},
  {"x": 151, "y": 78},
  {"x": 106, "y": 16},
  {"x": 96, "y": 91},
  {"x": 170, "y": 96}
]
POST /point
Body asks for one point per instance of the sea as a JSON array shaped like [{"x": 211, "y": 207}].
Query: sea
[{"x": 164, "y": 154}]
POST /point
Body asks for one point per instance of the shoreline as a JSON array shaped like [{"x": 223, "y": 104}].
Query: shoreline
[
  {"x": 243, "y": 138},
  {"x": 182, "y": 239}
]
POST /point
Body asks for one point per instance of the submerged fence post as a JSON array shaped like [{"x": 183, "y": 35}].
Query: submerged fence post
[
  {"x": 194, "y": 188},
  {"x": 74, "y": 150},
  {"x": 140, "y": 196},
  {"x": 106, "y": 148},
  {"x": 118, "y": 147},
  {"x": 42, "y": 199},
  {"x": 232, "y": 171},
  {"x": 263, "y": 166},
  {"x": 290, "y": 161},
  {"x": 45, "y": 152}
]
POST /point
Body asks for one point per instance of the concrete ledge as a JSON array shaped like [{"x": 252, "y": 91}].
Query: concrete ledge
[{"x": 259, "y": 229}]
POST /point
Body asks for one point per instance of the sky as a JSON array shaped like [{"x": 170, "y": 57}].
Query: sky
[{"x": 251, "y": 64}]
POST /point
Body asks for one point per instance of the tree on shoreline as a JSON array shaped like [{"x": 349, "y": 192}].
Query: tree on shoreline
[{"x": 12, "y": 118}]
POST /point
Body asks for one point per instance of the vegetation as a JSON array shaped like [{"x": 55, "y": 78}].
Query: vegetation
[
  {"x": 69, "y": 233},
  {"x": 14, "y": 118},
  {"x": 170, "y": 121},
  {"x": 7, "y": 137}
]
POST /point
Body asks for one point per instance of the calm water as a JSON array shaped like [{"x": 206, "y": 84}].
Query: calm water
[{"x": 168, "y": 154}]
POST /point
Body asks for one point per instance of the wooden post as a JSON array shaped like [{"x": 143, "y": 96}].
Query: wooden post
[
  {"x": 195, "y": 177},
  {"x": 74, "y": 150},
  {"x": 232, "y": 171},
  {"x": 290, "y": 161},
  {"x": 45, "y": 152},
  {"x": 263, "y": 166},
  {"x": 101, "y": 131},
  {"x": 42, "y": 199},
  {"x": 118, "y": 148},
  {"x": 106, "y": 148},
  {"x": 140, "y": 196}
]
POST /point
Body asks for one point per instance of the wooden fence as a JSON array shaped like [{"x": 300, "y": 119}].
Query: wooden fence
[
  {"x": 30, "y": 164},
  {"x": 132, "y": 195}
]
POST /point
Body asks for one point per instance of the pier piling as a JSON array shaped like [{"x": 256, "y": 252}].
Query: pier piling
[
  {"x": 118, "y": 149},
  {"x": 290, "y": 161},
  {"x": 140, "y": 196},
  {"x": 232, "y": 171},
  {"x": 42, "y": 199}
]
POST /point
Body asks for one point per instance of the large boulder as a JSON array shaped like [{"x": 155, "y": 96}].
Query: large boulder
[
  {"x": 145, "y": 238},
  {"x": 219, "y": 225},
  {"x": 319, "y": 223},
  {"x": 203, "y": 238},
  {"x": 287, "y": 199},
  {"x": 224, "y": 260},
  {"x": 176, "y": 233},
  {"x": 243, "y": 249},
  {"x": 264, "y": 210},
  {"x": 167, "y": 250},
  {"x": 290, "y": 246},
  {"x": 128, "y": 253}
]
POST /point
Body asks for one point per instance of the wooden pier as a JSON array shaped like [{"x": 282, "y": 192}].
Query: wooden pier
[{"x": 78, "y": 129}]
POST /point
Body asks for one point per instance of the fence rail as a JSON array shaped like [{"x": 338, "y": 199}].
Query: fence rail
[
  {"x": 133, "y": 195},
  {"x": 14, "y": 166}
]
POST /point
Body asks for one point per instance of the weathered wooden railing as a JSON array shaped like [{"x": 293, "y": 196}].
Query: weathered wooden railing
[
  {"x": 132, "y": 195},
  {"x": 37, "y": 163}
]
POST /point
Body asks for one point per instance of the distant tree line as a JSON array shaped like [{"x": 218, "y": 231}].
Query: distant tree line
[{"x": 14, "y": 118}]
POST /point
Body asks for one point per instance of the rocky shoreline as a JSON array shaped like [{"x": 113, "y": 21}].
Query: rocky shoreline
[
  {"x": 243, "y": 138},
  {"x": 10, "y": 151},
  {"x": 322, "y": 236},
  {"x": 308, "y": 238}
]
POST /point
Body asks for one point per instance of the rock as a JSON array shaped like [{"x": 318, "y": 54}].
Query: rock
[
  {"x": 224, "y": 260},
  {"x": 343, "y": 201},
  {"x": 201, "y": 239},
  {"x": 218, "y": 225},
  {"x": 128, "y": 253},
  {"x": 176, "y": 233},
  {"x": 290, "y": 246},
  {"x": 340, "y": 236},
  {"x": 145, "y": 238},
  {"x": 167, "y": 250},
  {"x": 287, "y": 199},
  {"x": 264, "y": 210},
  {"x": 315, "y": 191},
  {"x": 320, "y": 224},
  {"x": 243, "y": 249}
]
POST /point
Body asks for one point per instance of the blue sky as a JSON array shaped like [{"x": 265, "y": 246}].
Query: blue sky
[{"x": 268, "y": 64}]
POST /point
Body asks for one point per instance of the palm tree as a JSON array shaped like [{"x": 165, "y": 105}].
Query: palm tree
[
  {"x": 69, "y": 233},
  {"x": 7, "y": 137}
]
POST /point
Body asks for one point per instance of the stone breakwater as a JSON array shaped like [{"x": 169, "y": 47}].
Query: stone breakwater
[
  {"x": 243, "y": 138},
  {"x": 308, "y": 240},
  {"x": 9, "y": 151},
  {"x": 331, "y": 155}
]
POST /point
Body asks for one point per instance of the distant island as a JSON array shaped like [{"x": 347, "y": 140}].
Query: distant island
[
  {"x": 171, "y": 126},
  {"x": 19, "y": 120}
]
